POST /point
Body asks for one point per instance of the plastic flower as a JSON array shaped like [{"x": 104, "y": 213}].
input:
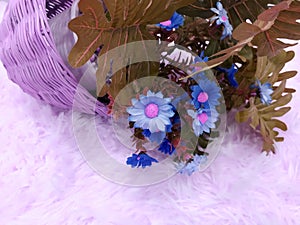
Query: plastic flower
[
  {"x": 151, "y": 112},
  {"x": 201, "y": 58},
  {"x": 227, "y": 31},
  {"x": 173, "y": 23},
  {"x": 222, "y": 19},
  {"x": 265, "y": 92},
  {"x": 230, "y": 75},
  {"x": 221, "y": 16},
  {"x": 166, "y": 147},
  {"x": 207, "y": 93},
  {"x": 142, "y": 159},
  {"x": 204, "y": 120},
  {"x": 192, "y": 166}
]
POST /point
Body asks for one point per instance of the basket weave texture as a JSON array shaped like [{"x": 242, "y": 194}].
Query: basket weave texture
[{"x": 30, "y": 55}]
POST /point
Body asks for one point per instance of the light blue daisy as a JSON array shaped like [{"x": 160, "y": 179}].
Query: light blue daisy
[
  {"x": 222, "y": 19},
  {"x": 265, "y": 92},
  {"x": 193, "y": 166},
  {"x": 221, "y": 16},
  {"x": 227, "y": 31},
  {"x": 206, "y": 93},
  {"x": 203, "y": 120},
  {"x": 152, "y": 112},
  {"x": 199, "y": 59}
]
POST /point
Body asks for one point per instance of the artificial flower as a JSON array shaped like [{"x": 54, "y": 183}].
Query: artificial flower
[
  {"x": 141, "y": 159},
  {"x": 230, "y": 75},
  {"x": 146, "y": 133},
  {"x": 166, "y": 147},
  {"x": 203, "y": 120},
  {"x": 222, "y": 19},
  {"x": 192, "y": 166},
  {"x": 206, "y": 93},
  {"x": 152, "y": 112},
  {"x": 221, "y": 16},
  {"x": 199, "y": 59},
  {"x": 265, "y": 92},
  {"x": 173, "y": 23},
  {"x": 227, "y": 31}
]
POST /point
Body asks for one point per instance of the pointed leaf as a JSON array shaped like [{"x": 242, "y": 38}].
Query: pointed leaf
[
  {"x": 123, "y": 23},
  {"x": 283, "y": 27},
  {"x": 286, "y": 75},
  {"x": 127, "y": 23},
  {"x": 277, "y": 113}
]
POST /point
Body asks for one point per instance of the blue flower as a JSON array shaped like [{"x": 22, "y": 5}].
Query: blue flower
[
  {"x": 146, "y": 133},
  {"x": 204, "y": 120},
  {"x": 265, "y": 92},
  {"x": 199, "y": 59},
  {"x": 166, "y": 147},
  {"x": 227, "y": 31},
  {"x": 222, "y": 19},
  {"x": 206, "y": 93},
  {"x": 222, "y": 16},
  {"x": 230, "y": 75},
  {"x": 190, "y": 167},
  {"x": 151, "y": 112},
  {"x": 142, "y": 159},
  {"x": 173, "y": 23}
]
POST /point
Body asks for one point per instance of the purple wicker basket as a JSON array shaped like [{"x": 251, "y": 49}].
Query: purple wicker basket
[{"x": 34, "y": 44}]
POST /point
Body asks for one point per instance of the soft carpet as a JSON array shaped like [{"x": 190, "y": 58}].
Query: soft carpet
[{"x": 44, "y": 179}]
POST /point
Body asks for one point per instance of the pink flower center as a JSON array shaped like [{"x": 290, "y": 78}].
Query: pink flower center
[
  {"x": 202, "y": 117},
  {"x": 198, "y": 68},
  {"x": 166, "y": 23},
  {"x": 224, "y": 18},
  {"x": 202, "y": 97},
  {"x": 151, "y": 110}
]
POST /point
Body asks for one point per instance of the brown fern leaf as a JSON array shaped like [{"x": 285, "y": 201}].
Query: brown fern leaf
[
  {"x": 262, "y": 116},
  {"x": 123, "y": 22}
]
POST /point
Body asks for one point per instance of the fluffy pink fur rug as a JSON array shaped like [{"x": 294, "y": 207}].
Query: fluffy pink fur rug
[{"x": 44, "y": 179}]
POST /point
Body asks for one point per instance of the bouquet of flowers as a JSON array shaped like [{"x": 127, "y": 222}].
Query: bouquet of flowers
[{"x": 239, "y": 52}]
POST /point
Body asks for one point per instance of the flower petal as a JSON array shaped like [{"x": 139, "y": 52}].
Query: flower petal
[
  {"x": 135, "y": 111},
  {"x": 219, "y": 6},
  {"x": 192, "y": 113},
  {"x": 134, "y": 101},
  {"x": 216, "y": 11},
  {"x": 159, "y": 95},
  {"x": 143, "y": 123}
]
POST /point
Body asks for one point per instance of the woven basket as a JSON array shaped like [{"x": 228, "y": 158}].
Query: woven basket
[{"x": 34, "y": 44}]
